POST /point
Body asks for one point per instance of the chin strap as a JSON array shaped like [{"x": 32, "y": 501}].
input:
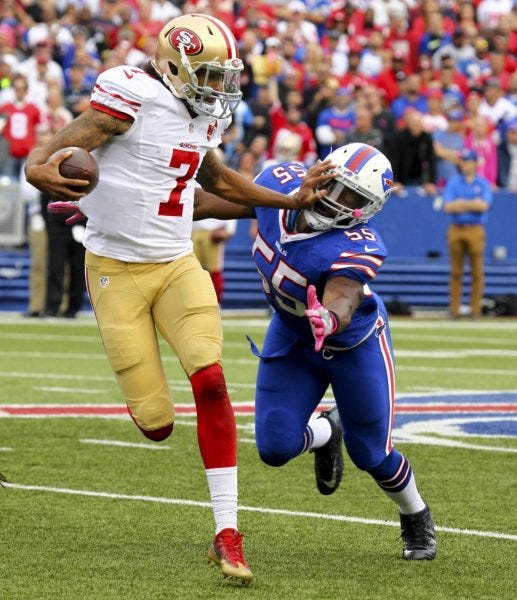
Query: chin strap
[{"x": 315, "y": 223}]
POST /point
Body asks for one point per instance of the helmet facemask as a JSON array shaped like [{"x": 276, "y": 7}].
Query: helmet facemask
[{"x": 204, "y": 99}]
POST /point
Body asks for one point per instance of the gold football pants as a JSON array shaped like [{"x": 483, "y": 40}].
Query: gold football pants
[{"x": 131, "y": 302}]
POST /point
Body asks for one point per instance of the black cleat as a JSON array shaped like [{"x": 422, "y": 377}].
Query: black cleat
[
  {"x": 419, "y": 542},
  {"x": 328, "y": 460}
]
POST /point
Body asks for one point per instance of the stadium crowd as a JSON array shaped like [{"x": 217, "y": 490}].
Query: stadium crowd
[{"x": 419, "y": 80}]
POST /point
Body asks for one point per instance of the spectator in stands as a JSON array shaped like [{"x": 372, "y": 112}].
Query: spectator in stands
[
  {"x": 435, "y": 36},
  {"x": 56, "y": 115},
  {"x": 481, "y": 139},
  {"x": 268, "y": 65},
  {"x": 489, "y": 11},
  {"x": 382, "y": 115},
  {"x": 452, "y": 83},
  {"x": 335, "y": 47},
  {"x": 297, "y": 25},
  {"x": 413, "y": 157},
  {"x": 164, "y": 10},
  {"x": 507, "y": 158},
  {"x": 467, "y": 18},
  {"x": 209, "y": 237},
  {"x": 434, "y": 118},
  {"x": 333, "y": 122},
  {"x": 353, "y": 77},
  {"x": 393, "y": 64},
  {"x": 364, "y": 130},
  {"x": 459, "y": 48},
  {"x": 20, "y": 120},
  {"x": 319, "y": 92},
  {"x": 467, "y": 198},
  {"x": 41, "y": 55},
  {"x": 448, "y": 145},
  {"x": 371, "y": 63},
  {"x": 494, "y": 106},
  {"x": 294, "y": 125},
  {"x": 477, "y": 68},
  {"x": 260, "y": 107},
  {"x": 410, "y": 95},
  {"x": 78, "y": 90}
]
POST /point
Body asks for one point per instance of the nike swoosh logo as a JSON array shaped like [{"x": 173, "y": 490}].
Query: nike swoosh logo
[
  {"x": 370, "y": 249},
  {"x": 128, "y": 74},
  {"x": 331, "y": 483}
]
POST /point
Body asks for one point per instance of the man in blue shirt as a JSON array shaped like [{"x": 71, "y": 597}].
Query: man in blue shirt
[{"x": 467, "y": 198}]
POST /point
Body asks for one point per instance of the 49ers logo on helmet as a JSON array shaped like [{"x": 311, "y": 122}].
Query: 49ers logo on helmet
[{"x": 188, "y": 39}]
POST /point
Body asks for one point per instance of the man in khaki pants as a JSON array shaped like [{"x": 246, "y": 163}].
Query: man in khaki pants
[{"x": 467, "y": 198}]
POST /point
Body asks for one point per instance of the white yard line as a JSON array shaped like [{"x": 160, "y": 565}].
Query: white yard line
[
  {"x": 257, "y": 509},
  {"x": 72, "y": 390},
  {"x": 142, "y": 445}
]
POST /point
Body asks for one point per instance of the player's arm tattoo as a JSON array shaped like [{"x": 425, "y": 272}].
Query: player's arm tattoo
[
  {"x": 210, "y": 171},
  {"x": 89, "y": 130}
]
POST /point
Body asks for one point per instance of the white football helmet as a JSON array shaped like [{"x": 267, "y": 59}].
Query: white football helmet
[
  {"x": 362, "y": 169},
  {"x": 192, "y": 50}
]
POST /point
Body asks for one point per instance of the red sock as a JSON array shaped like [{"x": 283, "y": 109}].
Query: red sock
[
  {"x": 218, "y": 281},
  {"x": 216, "y": 430}
]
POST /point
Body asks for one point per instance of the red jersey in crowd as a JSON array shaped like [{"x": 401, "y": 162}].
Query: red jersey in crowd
[{"x": 20, "y": 128}]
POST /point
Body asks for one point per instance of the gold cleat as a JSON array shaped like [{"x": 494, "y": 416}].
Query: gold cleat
[{"x": 226, "y": 552}]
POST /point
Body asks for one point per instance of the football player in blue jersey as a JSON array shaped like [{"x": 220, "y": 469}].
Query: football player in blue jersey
[{"x": 328, "y": 328}]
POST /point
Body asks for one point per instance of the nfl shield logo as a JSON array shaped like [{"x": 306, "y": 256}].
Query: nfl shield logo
[{"x": 104, "y": 281}]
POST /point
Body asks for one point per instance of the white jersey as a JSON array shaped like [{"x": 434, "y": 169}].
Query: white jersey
[{"x": 141, "y": 210}]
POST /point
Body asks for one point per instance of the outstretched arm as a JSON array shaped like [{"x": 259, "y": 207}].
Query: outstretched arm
[
  {"x": 89, "y": 130},
  {"x": 207, "y": 205},
  {"x": 215, "y": 177},
  {"x": 341, "y": 298}
]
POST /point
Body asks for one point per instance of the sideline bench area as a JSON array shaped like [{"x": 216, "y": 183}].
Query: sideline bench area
[{"x": 416, "y": 272}]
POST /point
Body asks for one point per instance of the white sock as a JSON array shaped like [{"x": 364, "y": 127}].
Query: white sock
[
  {"x": 318, "y": 432},
  {"x": 409, "y": 499},
  {"x": 222, "y": 485}
]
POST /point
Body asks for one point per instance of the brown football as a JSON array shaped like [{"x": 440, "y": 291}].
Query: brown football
[{"x": 79, "y": 165}]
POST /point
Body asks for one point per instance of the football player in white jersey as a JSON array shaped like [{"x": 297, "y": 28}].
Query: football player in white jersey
[{"x": 153, "y": 131}]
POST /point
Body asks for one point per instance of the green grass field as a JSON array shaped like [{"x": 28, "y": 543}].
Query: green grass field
[{"x": 93, "y": 510}]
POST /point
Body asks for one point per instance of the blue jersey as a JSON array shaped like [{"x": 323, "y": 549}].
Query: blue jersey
[{"x": 288, "y": 269}]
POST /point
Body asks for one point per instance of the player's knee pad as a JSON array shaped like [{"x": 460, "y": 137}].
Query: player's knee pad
[
  {"x": 362, "y": 455},
  {"x": 156, "y": 435},
  {"x": 209, "y": 384},
  {"x": 154, "y": 416},
  {"x": 278, "y": 441}
]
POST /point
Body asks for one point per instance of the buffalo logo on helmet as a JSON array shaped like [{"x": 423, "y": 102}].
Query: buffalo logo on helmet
[
  {"x": 387, "y": 180},
  {"x": 188, "y": 39}
]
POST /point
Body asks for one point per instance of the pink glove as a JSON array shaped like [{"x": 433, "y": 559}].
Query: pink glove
[
  {"x": 67, "y": 208},
  {"x": 323, "y": 322}
]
